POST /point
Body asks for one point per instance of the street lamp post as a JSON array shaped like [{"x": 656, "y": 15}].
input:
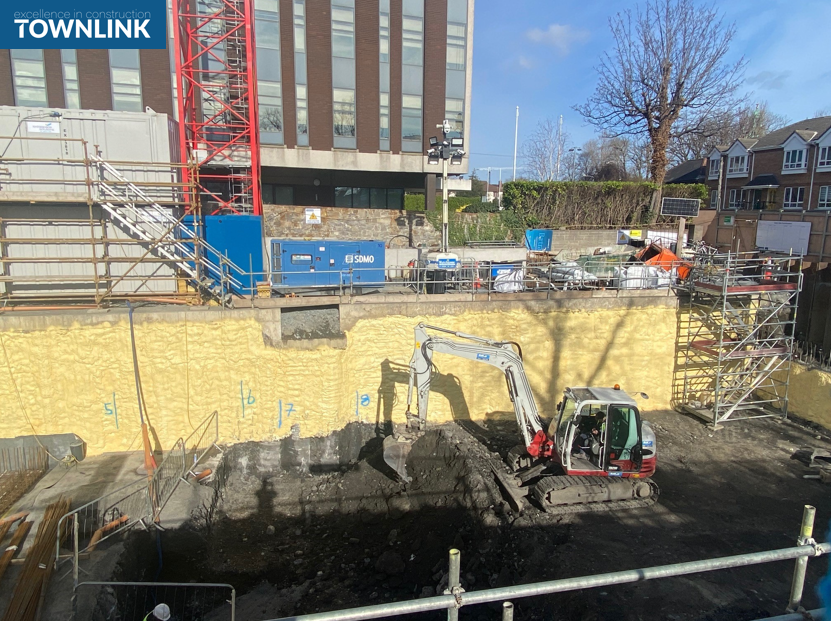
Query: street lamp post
[{"x": 448, "y": 151}]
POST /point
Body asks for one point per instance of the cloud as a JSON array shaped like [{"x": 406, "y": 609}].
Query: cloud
[
  {"x": 525, "y": 63},
  {"x": 559, "y": 36},
  {"x": 770, "y": 80}
]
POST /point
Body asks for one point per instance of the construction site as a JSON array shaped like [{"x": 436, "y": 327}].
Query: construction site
[{"x": 207, "y": 417}]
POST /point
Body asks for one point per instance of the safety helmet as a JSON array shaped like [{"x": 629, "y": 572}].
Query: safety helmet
[{"x": 162, "y": 612}]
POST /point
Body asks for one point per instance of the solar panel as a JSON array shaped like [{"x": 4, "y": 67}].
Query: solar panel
[{"x": 682, "y": 207}]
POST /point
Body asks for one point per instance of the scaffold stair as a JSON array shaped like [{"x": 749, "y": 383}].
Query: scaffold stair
[{"x": 166, "y": 235}]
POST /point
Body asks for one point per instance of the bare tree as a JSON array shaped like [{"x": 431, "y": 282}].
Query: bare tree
[
  {"x": 751, "y": 121},
  {"x": 540, "y": 152},
  {"x": 668, "y": 60}
]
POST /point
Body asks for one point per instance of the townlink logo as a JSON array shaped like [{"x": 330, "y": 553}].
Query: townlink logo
[
  {"x": 115, "y": 24},
  {"x": 84, "y": 24}
]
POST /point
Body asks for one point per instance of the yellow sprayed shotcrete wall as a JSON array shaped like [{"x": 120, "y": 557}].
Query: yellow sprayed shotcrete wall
[{"x": 77, "y": 376}]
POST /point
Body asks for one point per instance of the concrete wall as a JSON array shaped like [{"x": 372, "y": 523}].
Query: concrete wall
[
  {"x": 72, "y": 373},
  {"x": 339, "y": 223}
]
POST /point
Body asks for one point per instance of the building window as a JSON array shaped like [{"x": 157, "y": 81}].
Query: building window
[
  {"x": 301, "y": 90},
  {"x": 456, "y": 37},
  {"x": 125, "y": 74},
  {"x": 72, "y": 94},
  {"x": 714, "y": 199},
  {"x": 278, "y": 194},
  {"x": 737, "y": 164},
  {"x": 412, "y": 75},
  {"x": 736, "y": 199},
  {"x": 411, "y": 119},
  {"x": 373, "y": 198},
  {"x": 384, "y": 77},
  {"x": 794, "y": 198},
  {"x": 343, "y": 73},
  {"x": 344, "y": 113},
  {"x": 824, "y": 157},
  {"x": 715, "y": 167},
  {"x": 29, "y": 77},
  {"x": 824, "y": 197},
  {"x": 385, "y": 119},
  {"x": 269, "y": 81},
  {"x": 343, "y": 28},
  {"x": 794, "y": 159},
  {"x": 454, "y": 112}
]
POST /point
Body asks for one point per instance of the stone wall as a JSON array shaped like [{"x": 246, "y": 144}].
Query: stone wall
[{"x": 339, "y": 223}]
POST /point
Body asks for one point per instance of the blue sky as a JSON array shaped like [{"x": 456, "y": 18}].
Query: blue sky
[{"x": 540, "y": 55}]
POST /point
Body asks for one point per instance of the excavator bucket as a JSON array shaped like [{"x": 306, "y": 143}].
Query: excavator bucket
[{"x": 396, "y": 451}]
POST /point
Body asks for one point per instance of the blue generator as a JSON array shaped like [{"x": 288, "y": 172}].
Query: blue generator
[{"x": 297, "y": 264}]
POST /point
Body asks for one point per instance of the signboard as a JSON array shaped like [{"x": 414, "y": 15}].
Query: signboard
[
  {"x": 728, "y": 219},
  {"x": 43, "y": 127},
  {"x": 682, "y": 207},
  {"x": 624, "y": 236},
  {"x": 313, "y": 215},
  {"x": 784, "y": 237}
]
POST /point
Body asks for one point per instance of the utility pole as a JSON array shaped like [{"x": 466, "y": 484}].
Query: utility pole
[
  {"x": 516, "y": 137},
  {"x": 559, "y": 145}
]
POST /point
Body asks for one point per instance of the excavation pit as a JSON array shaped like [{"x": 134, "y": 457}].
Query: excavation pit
[{"x": 306, "y": 525}]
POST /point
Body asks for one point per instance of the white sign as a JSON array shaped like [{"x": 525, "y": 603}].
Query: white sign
[
  {"x": 313, "y": 215},
  {"x": 359, "y": 258},
  {"x": 783, "y": 236},
  {"x": 43, "y": 127}
]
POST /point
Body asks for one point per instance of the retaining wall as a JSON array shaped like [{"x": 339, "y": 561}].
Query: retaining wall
[{"x": 73, "y": 371}]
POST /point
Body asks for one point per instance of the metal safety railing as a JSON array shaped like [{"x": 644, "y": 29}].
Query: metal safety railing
[
  {"x": 139, "y": 502},
  {"x": 129, "y": 601},
  {"x": 201, "y": 441},
  {"x": 455, "y": 597}
]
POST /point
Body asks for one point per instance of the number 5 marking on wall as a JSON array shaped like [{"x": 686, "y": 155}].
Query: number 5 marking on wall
[{"x": 112, "y": 411}]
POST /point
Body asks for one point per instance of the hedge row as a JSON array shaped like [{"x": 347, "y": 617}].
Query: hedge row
[{"x": 571, "y": 203}]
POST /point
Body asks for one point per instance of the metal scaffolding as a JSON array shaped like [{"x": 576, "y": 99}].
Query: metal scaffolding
[
  {"x": 218, "y": 114},
  {"x": 741, "y": 314}
]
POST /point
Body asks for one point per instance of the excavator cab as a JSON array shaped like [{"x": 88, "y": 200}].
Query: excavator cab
[{"x": 598, "y": 434}]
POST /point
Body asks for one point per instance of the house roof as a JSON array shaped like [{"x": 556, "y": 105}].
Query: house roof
[
  {"x": 810, "y": 127},
  {"x": 762, "y": 181},
  {"x": 691, "y": 171},
  {"x": 747, "y": 143}
]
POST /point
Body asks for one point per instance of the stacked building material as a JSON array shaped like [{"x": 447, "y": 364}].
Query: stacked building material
[{"x": 30, "y": 590}]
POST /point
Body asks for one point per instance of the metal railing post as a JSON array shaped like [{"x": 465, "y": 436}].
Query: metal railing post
[
  {"x": 507, "y": 611},
  {"x": 75, "y": 559},
  {"x": 805, "y": 537},
  {"x": 454, "y": 582}
]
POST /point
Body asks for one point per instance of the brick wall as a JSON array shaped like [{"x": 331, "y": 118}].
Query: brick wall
[
  {"x": 395, "y": 75},
  {"x": 319, "y": 70},
  {"x": 6, "y": 85},
  {"x": 94, "y": 79},
  {"x": 287, "y": 73},
  {"x": 156, "y": 85},
  {"x": 289, "y": 222},
  {"x": 54, "y": 78},
  {"x": 367, "y": 51},
  {"x": 435, "y": 66}
]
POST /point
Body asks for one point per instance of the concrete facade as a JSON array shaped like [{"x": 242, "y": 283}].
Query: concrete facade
[{"x": 72, "y": 372}]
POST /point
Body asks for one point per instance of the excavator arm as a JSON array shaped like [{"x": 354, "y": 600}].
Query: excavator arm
[{"x": 504, "y": 355}]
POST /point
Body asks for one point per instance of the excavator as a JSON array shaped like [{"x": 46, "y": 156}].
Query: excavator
[{"x": 597, "y": 454}]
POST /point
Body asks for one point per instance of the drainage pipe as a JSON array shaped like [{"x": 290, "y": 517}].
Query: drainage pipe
[{"x": 559, "y": 586}]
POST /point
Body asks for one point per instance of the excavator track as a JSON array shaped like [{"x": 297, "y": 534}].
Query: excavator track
[{"x": 571, "y": 488}]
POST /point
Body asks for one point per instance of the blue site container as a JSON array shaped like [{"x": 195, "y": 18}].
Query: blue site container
[
  {"x": 327, "y": 263},
  {"x": 239, "y": 238},
  {"x": 538, "y": 240}
]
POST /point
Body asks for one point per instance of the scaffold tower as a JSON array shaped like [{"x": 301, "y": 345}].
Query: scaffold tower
[
  {"x": 739, "y": 333},
  {"x": 217, "y": 101}
]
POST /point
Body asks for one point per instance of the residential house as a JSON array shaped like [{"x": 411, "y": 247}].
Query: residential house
[{"x": 788, "y": 169}]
